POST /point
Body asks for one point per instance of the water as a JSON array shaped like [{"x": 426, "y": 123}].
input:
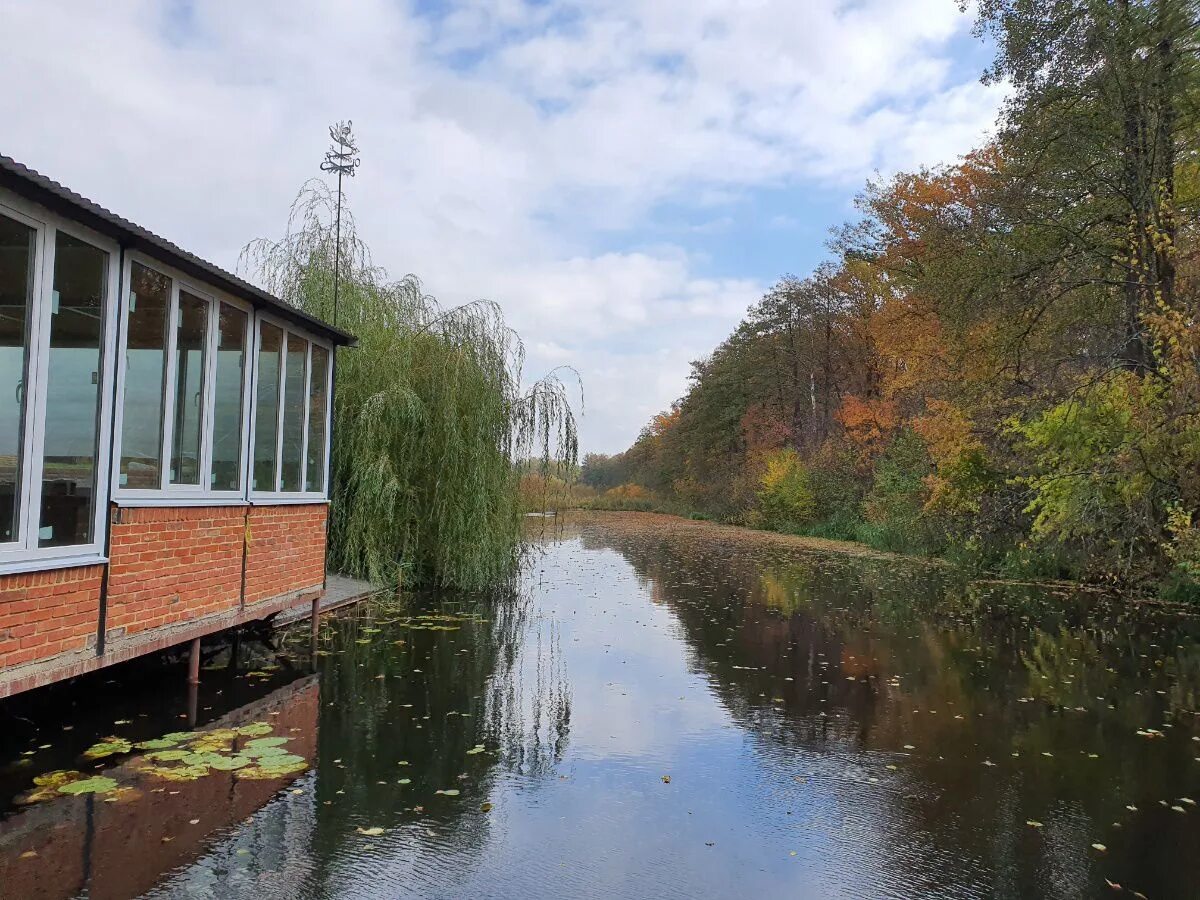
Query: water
[{"x": 666, "y": 709}]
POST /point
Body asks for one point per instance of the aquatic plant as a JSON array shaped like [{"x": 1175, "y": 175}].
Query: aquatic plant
[{"x": 432, "y": 414}]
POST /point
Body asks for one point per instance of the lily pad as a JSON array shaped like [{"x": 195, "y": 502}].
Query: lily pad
[
  {"x": 110, "y": 746},
  {"x": 178, "y": 773},
  {"x": 98, "y": 784},
  {"x": 255, "y": 729},
  {"x": 174, "y": 755},
  {"x": 48, "y": 785},
  {"x": 155, "y": 744},
  {"x": 276, "y": 741},
  {"x": 230, "y": 763}
]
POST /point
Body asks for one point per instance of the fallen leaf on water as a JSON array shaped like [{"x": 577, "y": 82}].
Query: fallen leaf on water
[
  {"x": 449, "y": 792},
  {"x": 370, "y": 832},
  {"x": 666, "y": 779},
  {"x": 485, "y": 807},
  {"x": 1033, "y": 823},
  {"x": 1099, "y": 848}
]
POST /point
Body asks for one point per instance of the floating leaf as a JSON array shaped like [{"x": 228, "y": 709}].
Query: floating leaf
[
  {"x": 168, "y": 755},
  {"x": 1033, "y": 823},
  {"x": 48, "y": 785},
  {"x": 449, "y": 792},
  {"x": 485, "y": 807},
  {"x": 98, "y": 784},
  {"x": 370, "y": 832},
  {"x": 276, "y": 741},
  {"x": 255, "y": 729},
  {"x": 177, "y": 773},
  {"x": 155, "y": 744},
  {"x": 110, "y": 746},
  {"x": 1100, "y": 848},
  {"x": 230, "y": 763}
]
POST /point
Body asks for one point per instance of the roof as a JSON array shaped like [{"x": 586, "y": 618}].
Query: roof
[{"x": 49, "y": 193}]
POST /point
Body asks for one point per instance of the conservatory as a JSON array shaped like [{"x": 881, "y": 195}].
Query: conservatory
[{"x": 164, "y": 440}]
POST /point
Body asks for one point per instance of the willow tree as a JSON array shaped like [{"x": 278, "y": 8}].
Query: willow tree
[{"x": 431, "y": 412}]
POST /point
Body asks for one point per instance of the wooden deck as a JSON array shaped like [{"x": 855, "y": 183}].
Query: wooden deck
[{"x": 339, "y": 591}]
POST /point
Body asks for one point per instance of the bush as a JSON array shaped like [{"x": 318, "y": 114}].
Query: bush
[{"x": 785, "y": 497}]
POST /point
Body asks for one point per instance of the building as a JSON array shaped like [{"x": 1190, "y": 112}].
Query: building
[{"x": 164, "y": 440}]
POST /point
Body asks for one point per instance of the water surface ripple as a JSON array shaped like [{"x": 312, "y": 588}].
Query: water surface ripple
[{"x": 664, "y": 709}]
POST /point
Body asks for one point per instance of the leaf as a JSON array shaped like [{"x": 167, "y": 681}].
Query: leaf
[
  {"x": 1033, "y": 823},
  {"x": 370, "y": 832},
  {"x": 110, "y": 746},
  {"x": 255, "y": 729},
  {"x": 231, "y": 763},
  {"x": 1099, "y": 848},
  {"x": 98, "y": 784},
  {"x": 449, "y": 792},
  {"x": 155, "y": 744}
]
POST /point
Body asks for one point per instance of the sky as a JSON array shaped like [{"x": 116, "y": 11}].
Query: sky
[{"x": 624, "y": 177}]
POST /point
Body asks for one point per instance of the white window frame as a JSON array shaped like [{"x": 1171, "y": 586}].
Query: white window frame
[
  {"x": 24, "y": 554},
  {"x": 167, "y": 494},
  {"x": 278, "y": 496}
]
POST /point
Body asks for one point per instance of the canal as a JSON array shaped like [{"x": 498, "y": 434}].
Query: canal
[{"x": 663, "y": 708}]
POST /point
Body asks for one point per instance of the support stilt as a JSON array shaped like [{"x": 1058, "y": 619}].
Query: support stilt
[
  {"x": 193, "y": 703},
  {"x": 194, "y": 662}
]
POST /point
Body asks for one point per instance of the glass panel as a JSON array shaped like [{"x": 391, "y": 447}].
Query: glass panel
[
  {"x": 145, "y": 361},
  {"x": 191, "y": 339},
  {"x": 17, "y": 252},
  {"x": 73, "y": 393},
  {"x": 227, "y": 401},
  {"x": 314, "y": 477},
  {"x": 293, "y": 412},
  {"x": 266, "y": 407}
]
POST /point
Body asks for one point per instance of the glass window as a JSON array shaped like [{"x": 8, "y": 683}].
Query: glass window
[
  {"x": 72, "y": 393},
  {"x": 294, "y": 403},
  {"x": 227, "y": 399},
  {"x": 318, "y": 402},
  {"x": 191, "y": 340},
  {"x": 145, "y": 364},
  {"x": 266, "y": 406},
  {"x": 17, "y": 254}
]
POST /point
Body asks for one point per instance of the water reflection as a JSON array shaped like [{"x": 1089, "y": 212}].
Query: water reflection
[{"x": 664, "y": 709}]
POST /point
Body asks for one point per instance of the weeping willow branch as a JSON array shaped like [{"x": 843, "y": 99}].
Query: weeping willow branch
[{"x": 431, "y": 413}]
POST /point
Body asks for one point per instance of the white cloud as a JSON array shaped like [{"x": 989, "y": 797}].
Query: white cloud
[{"x": 508, "y": 146}]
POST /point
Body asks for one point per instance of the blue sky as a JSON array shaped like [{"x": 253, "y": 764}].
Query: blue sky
[{"x": 624, "y": 177}]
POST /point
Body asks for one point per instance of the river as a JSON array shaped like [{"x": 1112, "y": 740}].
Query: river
[{"x": 663, "y": 708}]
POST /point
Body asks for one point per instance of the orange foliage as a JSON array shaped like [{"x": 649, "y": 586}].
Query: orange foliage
[{"x": 869, "y": 424}]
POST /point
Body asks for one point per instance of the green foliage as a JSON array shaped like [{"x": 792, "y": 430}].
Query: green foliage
[
  {"x": 895, "y": 505},
  {"x": 785, "y": 495},
  {"x": 430, "y": 413}
]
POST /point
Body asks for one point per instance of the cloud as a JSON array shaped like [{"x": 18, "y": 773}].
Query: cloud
[{"x": 512, "y": 149}]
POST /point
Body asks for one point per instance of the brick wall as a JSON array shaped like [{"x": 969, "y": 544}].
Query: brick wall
[
  {"x": 49, "y": 614},
  {"x": 171, "y": 565},
  {"x": 287, "y": 550}
]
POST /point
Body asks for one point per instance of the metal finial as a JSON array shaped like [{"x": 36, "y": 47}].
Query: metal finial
[{"x": 342, "y": 157}]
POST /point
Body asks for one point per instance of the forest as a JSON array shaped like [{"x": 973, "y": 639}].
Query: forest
[{"x": 998, "y": 362}]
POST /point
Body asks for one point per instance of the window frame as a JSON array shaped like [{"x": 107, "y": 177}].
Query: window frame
[
  {"x": 24, "y": 554},
  {"x": 167, "y": 494},
  {"x": 279, "y": 497}
]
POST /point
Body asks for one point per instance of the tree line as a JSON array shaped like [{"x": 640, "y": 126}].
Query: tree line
[{"x": 1000, "y": 362}]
